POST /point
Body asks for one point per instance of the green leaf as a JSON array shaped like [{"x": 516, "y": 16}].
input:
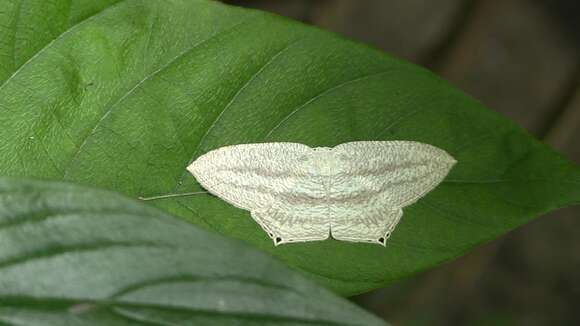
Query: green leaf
[
  {"x": 128, "y": 97},
  {"x": 71, "y": 255},
  {"x": 26, "y": 26}
]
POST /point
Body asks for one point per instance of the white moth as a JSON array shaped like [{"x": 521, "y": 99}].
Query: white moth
[{"x": 354, "y": 191}]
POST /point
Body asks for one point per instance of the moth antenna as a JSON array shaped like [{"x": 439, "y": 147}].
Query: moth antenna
[{"x": 185, "y": 194}]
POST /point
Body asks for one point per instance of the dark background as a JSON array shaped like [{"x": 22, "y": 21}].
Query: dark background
[{"x": 522, "y": 59}]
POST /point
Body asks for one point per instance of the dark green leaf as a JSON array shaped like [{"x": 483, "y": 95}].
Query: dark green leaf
[
  {"x": 71, "y": 255},
  {"x": 127, "y": 98}
]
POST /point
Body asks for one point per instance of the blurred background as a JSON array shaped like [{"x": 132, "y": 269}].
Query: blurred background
[{"x": 522, "y": 59}]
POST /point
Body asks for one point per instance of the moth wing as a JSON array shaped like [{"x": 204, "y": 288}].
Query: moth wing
[
  {"x": 254, "y": 176},
  {"x": 397, "y": 173},
  {"x": 368, "y": 222},
  {"x": 294, "y": 224}
]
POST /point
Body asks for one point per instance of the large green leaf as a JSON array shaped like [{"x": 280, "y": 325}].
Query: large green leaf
[
  {"x": 71, "y": 255},
  {"x": 128, "y": 97}
]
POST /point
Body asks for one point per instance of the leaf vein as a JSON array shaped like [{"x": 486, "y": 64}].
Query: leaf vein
[
  {"x": 320, "y": 95},
  {"x": 63, "y": 34},
  {"x": 240, "y": 90},
  {"x": 62, "y": 250},
  {"x": 111, "y": 107},
  {"x": 195, "y": 279}
]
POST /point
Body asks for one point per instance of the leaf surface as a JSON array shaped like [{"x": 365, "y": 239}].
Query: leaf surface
[
  {"x": 127, "y": 98},
  {"x": 27, "y": 26}
]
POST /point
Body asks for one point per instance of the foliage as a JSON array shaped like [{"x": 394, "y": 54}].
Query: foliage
[{"x": 128, "y": 94}]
